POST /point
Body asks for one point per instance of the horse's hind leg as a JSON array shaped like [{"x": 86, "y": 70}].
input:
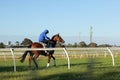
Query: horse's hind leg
[
  {"x": 22, "y": 58},
  {"x": 35, "y": 59},
  {"x": 30, "y": 59}
]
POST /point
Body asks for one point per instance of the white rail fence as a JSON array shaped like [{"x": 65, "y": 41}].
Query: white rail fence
[
  {"x": 13, "y": 50},
  {"x": 83, "y": 50}
]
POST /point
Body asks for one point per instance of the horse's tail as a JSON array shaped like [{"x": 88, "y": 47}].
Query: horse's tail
[{"x": 22, "y": 58}]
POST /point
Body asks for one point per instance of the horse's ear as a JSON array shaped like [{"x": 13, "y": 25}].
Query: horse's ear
[{"x": 57, "y": 34}]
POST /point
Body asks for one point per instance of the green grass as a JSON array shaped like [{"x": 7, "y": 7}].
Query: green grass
[{"x": 81, "y": 69}]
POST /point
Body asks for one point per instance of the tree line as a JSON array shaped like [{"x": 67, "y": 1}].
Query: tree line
[
  {"x": 83, "y": 44},
  {"x": 26, "y": 42}
]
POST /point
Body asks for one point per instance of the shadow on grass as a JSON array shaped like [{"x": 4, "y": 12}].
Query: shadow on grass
[
  {"x": 35, "y": 75},
  {"x": 112, "y": 75},
  {"x": 26, "y": 68},
  {"x": 87, "y": 63},
  {"x": 11, "y": 68},
  {"x": 106, "y": 73},
  {"x": 89, "y": 74}
]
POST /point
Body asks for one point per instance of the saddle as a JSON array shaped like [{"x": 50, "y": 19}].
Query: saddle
[
  {"x": 46, "y": 45},
  {"x": 43, "y": 44}
]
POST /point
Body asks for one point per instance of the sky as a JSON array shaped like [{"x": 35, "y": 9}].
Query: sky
[{"x": 72, "y": 19}]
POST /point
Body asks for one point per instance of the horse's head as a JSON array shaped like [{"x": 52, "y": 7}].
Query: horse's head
[{"x": 58, "y": 38}]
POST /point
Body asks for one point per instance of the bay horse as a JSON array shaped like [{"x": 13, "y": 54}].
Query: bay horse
[{"x": 34, "y": 54}]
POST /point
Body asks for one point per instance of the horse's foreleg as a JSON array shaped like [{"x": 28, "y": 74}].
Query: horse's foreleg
[
  {"x": 54, "y": 60},
  {"x": 49, "y": 57}
]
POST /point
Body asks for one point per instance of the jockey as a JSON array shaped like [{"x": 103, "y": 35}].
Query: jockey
[{"x": 44, "y": 38}]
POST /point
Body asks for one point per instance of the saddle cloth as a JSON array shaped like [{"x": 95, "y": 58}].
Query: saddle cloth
[{"x": 43, "y": 44}]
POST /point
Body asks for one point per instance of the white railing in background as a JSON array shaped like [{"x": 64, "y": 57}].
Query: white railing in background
[{"x": 13, "y": 50}]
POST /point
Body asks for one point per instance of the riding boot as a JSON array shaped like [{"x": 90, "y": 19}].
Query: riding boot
[
  {"x": 47, "y": 45},
  {"x": 50, "y": 44}
]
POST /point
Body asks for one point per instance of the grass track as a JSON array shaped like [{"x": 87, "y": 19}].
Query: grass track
[{"x": 81, "y": 69}]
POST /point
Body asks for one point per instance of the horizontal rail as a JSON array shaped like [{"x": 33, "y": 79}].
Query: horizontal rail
[
  {"x": 30, "y": 49},
  {"x": 12, "y": 50},
  {"x": 24, "y": 49}
]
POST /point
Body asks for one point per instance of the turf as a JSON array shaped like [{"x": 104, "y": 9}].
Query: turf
[{"x": 81, "y": 69}]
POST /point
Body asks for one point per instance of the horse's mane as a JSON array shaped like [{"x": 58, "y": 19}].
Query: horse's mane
[{"x": 54, "y": 36}]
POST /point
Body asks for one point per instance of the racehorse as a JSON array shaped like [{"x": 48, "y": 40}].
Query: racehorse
[{"x": 34, "y": 54}]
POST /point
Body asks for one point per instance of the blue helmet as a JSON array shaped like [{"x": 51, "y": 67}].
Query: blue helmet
[{"x": 46, "y": 31}]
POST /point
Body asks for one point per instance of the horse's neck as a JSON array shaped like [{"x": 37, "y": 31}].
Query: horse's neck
[{"x": 53, "y": 43}]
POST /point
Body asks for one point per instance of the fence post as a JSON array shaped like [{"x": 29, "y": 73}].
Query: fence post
[
  {"x": 13, "y": 56},
  {"x": 67, "y": 57},
  {"x": 109, "y": 50}
]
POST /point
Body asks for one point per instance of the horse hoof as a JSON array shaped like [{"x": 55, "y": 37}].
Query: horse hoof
[
  {"x": 33, "y": 68},
  {"x": 48, "y": 65}
]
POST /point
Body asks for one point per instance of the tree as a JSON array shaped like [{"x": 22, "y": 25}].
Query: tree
[
  {"x": 17, "y": 43},
  {"x": 92, "y": 44},
  {"x": 82, "y": 44},
  {"x": 105, "y": 45},
  {"x": 2, "y": 45},
  {"x": 69, "y": 45},
  {"x": 75, "y": 44},
  {"x": 26, "y": 42}
]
